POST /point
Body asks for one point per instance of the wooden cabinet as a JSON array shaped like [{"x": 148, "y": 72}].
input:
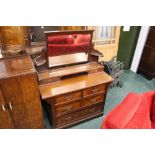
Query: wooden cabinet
[
  {"x": 18, "y": 82},
  {"x": 74, "y": 98},
  {"x": 5, "y": 117}
]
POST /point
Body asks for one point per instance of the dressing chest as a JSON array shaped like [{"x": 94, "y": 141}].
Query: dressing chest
[{"x": 73, "y": 98}]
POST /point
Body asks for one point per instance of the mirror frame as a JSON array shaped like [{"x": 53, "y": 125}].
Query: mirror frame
[{"x": 68, "y": 32}]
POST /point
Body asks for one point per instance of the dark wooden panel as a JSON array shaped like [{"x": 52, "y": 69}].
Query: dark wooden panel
[
  {"x": 147, "y": 62},
  {"x": 79, "y": 115},
  {"x": 22, "y": 97},
  {"x": 5, "y": 118},
  {"x": 151, "y": 37}
]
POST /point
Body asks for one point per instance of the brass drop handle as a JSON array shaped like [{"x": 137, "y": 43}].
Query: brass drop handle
[
  {"x": 3, "y": 107},
  {"x": 92, "y": 110},
  {"x": 68, "y": 108},
  {"x": 68, "y": 118},
  {"x": 94, "y": 100},
  {"x": 10, "y": 106},
  {"x": 94, "y": 90},
  {"x": 68, "y": 97}
]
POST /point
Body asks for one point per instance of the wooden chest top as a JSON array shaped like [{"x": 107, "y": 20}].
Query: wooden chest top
[
  {"x": 73, "y": 84},
  {"x": 16, "y": 66}
]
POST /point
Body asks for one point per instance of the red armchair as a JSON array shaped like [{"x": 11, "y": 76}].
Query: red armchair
[{"x": 136, "y": 111}]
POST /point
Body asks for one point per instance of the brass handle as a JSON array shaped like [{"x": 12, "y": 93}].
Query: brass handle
[
  {"x": 92, "y": 110},
  {"x": 3, "y": 107},
  {"x": 10, "y": 106},
  {"x": 68, "y": 97},
  {"x": 94, "y": 100},
  {"x": 68, "y": 118},
  {"x": 94, "y": 90},
  {"x": 68, "y": 108}
]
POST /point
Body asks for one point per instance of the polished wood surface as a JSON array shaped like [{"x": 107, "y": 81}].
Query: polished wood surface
[
  {"x": 56, "y": 74},
  {"x": 18, "y": 81},
  {"x": 16, "y": 66},
  {"x": 5, "y": 118},
  {"x": 73, "y": 84}
]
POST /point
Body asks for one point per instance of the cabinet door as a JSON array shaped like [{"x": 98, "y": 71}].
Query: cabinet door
[
  {"x": 5, "y": 118},
  {"x": 23, "y": 100}
]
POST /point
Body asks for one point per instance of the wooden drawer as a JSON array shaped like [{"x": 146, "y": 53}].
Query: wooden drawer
[
  {"x": 77, "y": 116},
  {"x": 93, "y": 90},
  {"x": 90, "y": 110},
  {"x": 66, "y": 108},
  {"x": 66, "y": 119},
  {"x": 92, "y": 100},
  {"x": 67, "y": 97}
]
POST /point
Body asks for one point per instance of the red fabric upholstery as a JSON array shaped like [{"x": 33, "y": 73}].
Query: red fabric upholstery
[
  {"x": 67, "y": 44},
  {"x": 82, "y": 38},
  {"x": 59, "y": 39},
  {"x": 57, "y": 49},
  {"x": 135, "y": 111}
]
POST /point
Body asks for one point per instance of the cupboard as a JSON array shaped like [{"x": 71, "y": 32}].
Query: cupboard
[{"x": 19, "y": 95}]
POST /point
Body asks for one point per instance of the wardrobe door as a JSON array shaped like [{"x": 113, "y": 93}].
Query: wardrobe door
[
  {"x": 5, "y": 118},
  {"x": 22, "y": 97}
]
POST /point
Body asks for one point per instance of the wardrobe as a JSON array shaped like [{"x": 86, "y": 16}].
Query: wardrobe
[{"x": 20, "y": 105}]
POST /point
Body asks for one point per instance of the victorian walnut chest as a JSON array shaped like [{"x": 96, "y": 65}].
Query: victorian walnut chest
[
  {"x": 74, "y": 94},
  {"x": 74, "y": 86}
]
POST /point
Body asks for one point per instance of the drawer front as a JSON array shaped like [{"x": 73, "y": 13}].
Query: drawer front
[
  {"x": 92, "y": 100},
  {"x": 93, "y": 90},
  {"x": 70, "y": 118},
  {"x": 66, "y": 108},
  {"x": 66, "y": 119},
  {"x": 68, "y": 97},
  {"x": 90, "y": 111}
]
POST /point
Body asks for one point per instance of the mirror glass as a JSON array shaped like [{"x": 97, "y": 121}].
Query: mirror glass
[{"x": 65, "y": 49}]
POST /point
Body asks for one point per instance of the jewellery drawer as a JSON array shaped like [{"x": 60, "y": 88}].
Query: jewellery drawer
[
  {"x": 66, "y": 108},
  {"x": 93, "y": 90},
  {"x": 92, "y": 100},
  {"x": 67, "y": 97}
]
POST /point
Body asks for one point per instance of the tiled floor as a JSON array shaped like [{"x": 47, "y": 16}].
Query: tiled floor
[{"x": 132, "y": 82}]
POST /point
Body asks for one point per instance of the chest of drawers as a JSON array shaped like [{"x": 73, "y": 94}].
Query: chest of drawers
[{"x": 76, "y": 98}]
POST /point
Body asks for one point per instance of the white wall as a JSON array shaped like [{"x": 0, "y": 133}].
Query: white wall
[{"x": 139, "y": 48}]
